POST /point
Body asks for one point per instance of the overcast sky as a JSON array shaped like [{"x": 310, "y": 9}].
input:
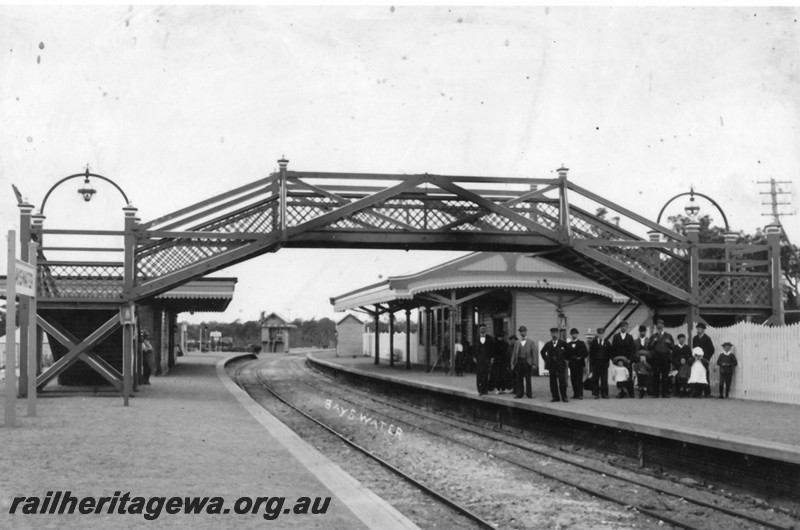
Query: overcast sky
[{"x": 177, "y": 104}]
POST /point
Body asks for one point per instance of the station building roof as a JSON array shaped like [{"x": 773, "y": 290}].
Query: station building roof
[
  {"x": 479, "y": 270},
  {"x": 207, "y": 295}
]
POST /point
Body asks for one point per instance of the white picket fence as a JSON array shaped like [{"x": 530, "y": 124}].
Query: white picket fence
[
  {"x": 399, "y": 346},
  {"x": 769, "y": 360}
]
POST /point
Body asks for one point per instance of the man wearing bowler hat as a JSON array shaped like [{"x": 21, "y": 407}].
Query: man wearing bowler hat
[
  {"x": 623, "y": 344},
  {"x": 660, "y": 347},
  {"x": 576, "y": 361},
  {"x": 483, "y": 354},
  {"x": 599, "y": 357},
  {"x": 701, "y": 340},
  {"x": 554, "y": 353},
  {"x": 523, "y": 360}
]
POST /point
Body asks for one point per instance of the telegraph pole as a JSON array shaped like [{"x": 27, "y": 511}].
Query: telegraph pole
[{"x": 774, "y": 193}]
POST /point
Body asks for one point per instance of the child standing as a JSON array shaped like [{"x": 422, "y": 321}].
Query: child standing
[
  {"x": 727, "y": 364},
  {"x": 619, "y": 374},
  {"x": 697, "y": 377},
  {"x": 643, "y": 372},
  {"x": 682, "y": 379}
]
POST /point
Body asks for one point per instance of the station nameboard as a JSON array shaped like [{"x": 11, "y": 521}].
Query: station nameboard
[{"x": 25, "y": 279}]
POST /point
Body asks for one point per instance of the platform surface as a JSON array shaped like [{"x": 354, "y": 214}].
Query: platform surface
[
  {"x": 186, "y": 434},
  {"x": 758, "y": 428}
]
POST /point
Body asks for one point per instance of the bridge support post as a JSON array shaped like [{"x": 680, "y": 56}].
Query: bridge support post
[
  {"x": 693, "y": 312},
  {"x": 773, "y": 232},
  {"x": 128, "y": 309}
]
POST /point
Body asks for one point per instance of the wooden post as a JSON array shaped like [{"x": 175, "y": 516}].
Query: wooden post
[
  {"x": 563, "y": 210},
  {"x": 282, "y": 164},
  {"x": 32, "y": 343},
  {"x": 377, "y": 337},
  {"x": 693, "y": 312},
  {"x": 24, "y": 301},
  {"x": 773, "y": 232},
  {"x": 10, "y": 415},
  {"x": 36, "y": 233},
  {"x": 428, "y": 329},
  {"x": 408, "y": 339},
  {"x": 128, "y": 308},
  {"x": 391, "y": 339},
  {"x": 452, "y": 345}
]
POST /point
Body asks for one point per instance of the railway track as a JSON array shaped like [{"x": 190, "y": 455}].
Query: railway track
[
  {"x": 244, "y": 374},
  {"x": 683, "y": 494},
  {"x": 673, "y": 505}
]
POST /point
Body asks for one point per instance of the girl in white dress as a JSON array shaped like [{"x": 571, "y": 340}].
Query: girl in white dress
[{"x": 697, "y": 378}]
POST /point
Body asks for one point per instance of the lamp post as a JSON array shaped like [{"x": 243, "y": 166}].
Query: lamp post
[{"x": 32, "y": 228}]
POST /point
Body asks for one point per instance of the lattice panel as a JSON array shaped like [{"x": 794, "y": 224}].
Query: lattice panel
[
  {"x": 257, "y": 220},
  {"x": 180, "y": 254},
  {"x": 545, "y": 215},
  {"x": 734, "y": 290},
  {"x": 651, "y": 261},
  {"x": 299, "y": 211},
  {"x": 80, "y": 281}
]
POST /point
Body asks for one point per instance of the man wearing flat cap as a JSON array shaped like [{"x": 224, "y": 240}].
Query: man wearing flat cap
[
  {"x": 483, "y": 352},
  {"x": 599, "y": 357},
  {"x": 576, "y": 361},
  {"x": 554, "y": 353},
  {"x": 523, "y": 359},
  {"x": 701, "y": 340},
  {"x": 660, "y": 347}
]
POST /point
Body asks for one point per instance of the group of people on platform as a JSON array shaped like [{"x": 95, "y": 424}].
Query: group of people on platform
[{"x": 657, "y": 365}]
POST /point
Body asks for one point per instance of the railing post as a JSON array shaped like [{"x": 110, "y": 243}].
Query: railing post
[
  {"x": 25, "y": 210},
  {"x": 127, "y": 310},
  {"x": 730, "y": 239},
  {"x": 693, "y": 234},
  {"x": 563, "y": 207},
  {"x": 283, "y": 163},
  {"x": 773, "y": 232}
]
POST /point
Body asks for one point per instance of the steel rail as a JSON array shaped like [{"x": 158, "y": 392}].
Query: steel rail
[
  {"x": 433, "y": 493},
  {"x": 482, "y": 431}
]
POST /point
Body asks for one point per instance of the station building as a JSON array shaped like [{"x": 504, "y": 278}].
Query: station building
[{"x": 502, "y": 291}]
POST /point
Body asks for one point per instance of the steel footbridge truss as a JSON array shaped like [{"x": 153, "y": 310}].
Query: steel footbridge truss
[{"x": 552, "y": 218}]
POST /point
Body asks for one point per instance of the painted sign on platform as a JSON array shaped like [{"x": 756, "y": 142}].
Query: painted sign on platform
[{"x": 25, "y": 279}]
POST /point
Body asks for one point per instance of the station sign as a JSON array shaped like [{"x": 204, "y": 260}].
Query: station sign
[{"x": 25, "y": 279}]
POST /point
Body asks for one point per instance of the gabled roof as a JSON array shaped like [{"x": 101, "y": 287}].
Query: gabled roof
[
  {"x": 351, "y": 317},
  {"x": 274, "y": 320},
  {"x": 475, "y": 271}
]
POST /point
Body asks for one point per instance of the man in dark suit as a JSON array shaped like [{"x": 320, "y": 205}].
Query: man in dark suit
[
  {"x": 660, "y": 346},
  {"x": 554, "y": 353},
  {"x": 523, "y": 358},
  {"x": 703, "y": 341},
  {"x": 599, "y": 357},
  {"x": 623, "y": 344},
  {"x": 576, "y": 361},
  {"x": 483, "y": 354}
]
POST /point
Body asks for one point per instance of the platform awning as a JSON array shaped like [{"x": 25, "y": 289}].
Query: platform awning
[{"x": 480, "y": 270}]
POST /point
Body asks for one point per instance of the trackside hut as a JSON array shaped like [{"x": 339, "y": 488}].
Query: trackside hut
[
  {"x": 502, "y": 291},
  {"x": 349, "y": 335}
]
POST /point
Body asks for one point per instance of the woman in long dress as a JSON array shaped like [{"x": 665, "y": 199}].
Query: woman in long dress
[
  {"x": 500, "y": 378},
  {"x": 697, "y": 378}
]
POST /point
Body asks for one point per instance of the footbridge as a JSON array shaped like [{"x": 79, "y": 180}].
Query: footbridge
[{"x": 670, "y": 272}]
